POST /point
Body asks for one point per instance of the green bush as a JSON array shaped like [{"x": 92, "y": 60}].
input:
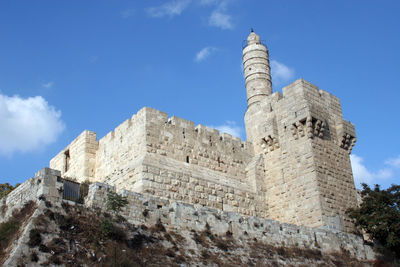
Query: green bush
[
  {"x": 379, "y": 216},
  {"x": 115, "y": 202}
]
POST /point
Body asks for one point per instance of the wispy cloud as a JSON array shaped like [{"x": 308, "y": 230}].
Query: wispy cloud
[
  {"x": 48, "y": 84},
  {"x": 169, "y": 9},
  {"x": 221, "y": 20},
  {"x": 229, "y": 127},
  {"x": 363, "y": 175},
  {"x": 394, "y": 162},
  {"x": 204, "y": 53},
  {"x": 281, "y": 73},
  {"x": 127, "y": 13},
  {"x": 219, "y": 17},
  {"x": 27, "y": 124}
]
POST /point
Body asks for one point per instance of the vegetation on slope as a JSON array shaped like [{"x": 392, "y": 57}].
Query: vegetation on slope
[{"x": 379, "y": 216}]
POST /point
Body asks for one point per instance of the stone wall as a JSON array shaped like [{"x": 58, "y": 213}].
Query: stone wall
[
  {"x": 45, "y": 183},
  {"x": 184, "y": 182},
  {"x": 147, "y": 210},
  {"x": 119, "y": 149}
]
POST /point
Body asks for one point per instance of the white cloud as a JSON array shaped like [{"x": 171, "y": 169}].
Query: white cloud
[
  {"x": 229, "y": 127},
  {"x": 363, "y": 175},
  {"x": 280, "y": 73},
  {"x": 221, "y": 20},
  {"x": 170, "y": 9},
  {"x": 394, "y": 162},
  {"x": 204, "y": 53},
  {"x": 219, "y": 17},
  {"x": 127, "y": 13},
  {"x": 48, "y": 84},
  {"x": 27, "y": 124}
]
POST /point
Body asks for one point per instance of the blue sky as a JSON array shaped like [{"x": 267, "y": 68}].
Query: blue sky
[{"x": 67, "y": 66}]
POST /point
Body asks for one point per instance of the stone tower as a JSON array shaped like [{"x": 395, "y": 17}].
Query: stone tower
[
  {"x": 305, "y": 145},
  {"x": 256, "y": 69}
]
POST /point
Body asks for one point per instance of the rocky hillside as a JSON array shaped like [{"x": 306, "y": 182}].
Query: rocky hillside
[{"x": 70, "y": 234}]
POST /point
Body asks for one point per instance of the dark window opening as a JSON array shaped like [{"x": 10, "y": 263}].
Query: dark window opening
[
  {"x": 187, "y": 159},
  {"x": 67, "y": 160}
]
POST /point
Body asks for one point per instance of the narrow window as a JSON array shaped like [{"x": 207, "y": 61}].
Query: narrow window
[
  {"x": 187, "y": 159},
  {"x": 67, "y": 159}
]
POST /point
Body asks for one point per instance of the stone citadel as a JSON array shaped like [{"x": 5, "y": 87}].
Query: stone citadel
[{"x": 294, "y": 167}]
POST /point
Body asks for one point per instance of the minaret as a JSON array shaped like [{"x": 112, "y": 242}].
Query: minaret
[{"x": 256, "y": 69}]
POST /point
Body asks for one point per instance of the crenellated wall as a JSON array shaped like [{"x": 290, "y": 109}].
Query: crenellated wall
[{"x": 178, "y": 139}]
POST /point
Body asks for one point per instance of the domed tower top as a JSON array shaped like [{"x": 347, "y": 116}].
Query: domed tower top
[{"x": 253, "y": 38}]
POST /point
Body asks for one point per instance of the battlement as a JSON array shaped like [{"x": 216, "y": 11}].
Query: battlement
[{"x": 306, "y": 93}]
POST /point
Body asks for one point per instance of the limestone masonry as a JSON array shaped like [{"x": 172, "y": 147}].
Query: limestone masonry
[{"x": 293, "y": 168}]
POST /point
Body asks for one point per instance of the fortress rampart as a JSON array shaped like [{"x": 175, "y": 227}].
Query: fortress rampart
[{"x": 294, "y": 166}]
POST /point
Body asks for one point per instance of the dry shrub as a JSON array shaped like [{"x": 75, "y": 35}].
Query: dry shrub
[
  {"x": 200, "y": 239},
  {"x": 34, "y": 257},
  {"x": 35, "y": 239},
  {"x": 158, "y": 227}
]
